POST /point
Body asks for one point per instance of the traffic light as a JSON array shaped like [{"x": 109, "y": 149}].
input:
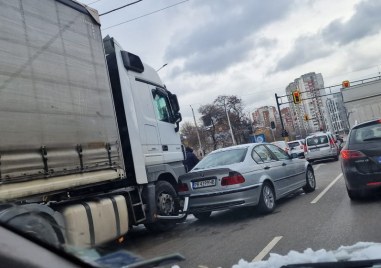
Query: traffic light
[
  {"x": 296, "y": 96},
  {"x": 346, "y": 84},
  {"x": 284, "y": 133},
  {"x": 306, "y": 117}
]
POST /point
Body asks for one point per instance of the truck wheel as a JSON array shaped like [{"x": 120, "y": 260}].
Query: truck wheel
[
  {"x": 267, "y": 199},
  {"x": 310, "y": 181},
  {"x": 166, "y": 197},
  {"x": 202, "y": 216},
  {"x": 37, "y": 226}
]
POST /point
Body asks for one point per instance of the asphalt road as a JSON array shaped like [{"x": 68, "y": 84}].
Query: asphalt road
[{"x": 325, "y": 218}]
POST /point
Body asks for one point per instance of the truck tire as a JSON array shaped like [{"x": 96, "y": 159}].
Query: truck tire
[
  {"x": 166, "y": 197},
  {"x": 37, "y": 226}
]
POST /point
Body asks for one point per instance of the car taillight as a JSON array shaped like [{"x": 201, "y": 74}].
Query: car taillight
[
  {"x": 233, "y": 178},
  {"x": 305, "y": 148},
  {"x": 349, "y": 154},
  {"x": 301, "y": 147},
  {"x": 182, "y": 187},
  {"x": 374, "y": 183}
]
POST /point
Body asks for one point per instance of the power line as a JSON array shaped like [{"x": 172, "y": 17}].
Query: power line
[
  {"x": 147, "y": 14},
  {"x": 115, "y": 9}
]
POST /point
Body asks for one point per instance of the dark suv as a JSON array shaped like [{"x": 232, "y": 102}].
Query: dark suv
[{"x": 361, "y": 159}]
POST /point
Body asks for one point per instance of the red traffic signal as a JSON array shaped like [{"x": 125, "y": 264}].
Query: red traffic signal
[
  {"x": 296, "y": 96},
  {"x": 346, "y": 84}
]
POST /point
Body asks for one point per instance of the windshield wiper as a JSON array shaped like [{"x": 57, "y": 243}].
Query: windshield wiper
[
  {"x": 339, "y": 264},
  {"x": 372, "y": 139}
]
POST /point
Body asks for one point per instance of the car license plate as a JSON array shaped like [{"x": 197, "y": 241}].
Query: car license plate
[
  {"x": 314, "y": 149},
  {"x": 204, "y": 183}
]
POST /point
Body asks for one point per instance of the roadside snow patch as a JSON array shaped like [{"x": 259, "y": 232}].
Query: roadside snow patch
[{"x": 359, "y": 251}]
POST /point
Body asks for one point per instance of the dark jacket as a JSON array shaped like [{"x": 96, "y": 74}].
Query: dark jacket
[{"x": 191, "y": 159}]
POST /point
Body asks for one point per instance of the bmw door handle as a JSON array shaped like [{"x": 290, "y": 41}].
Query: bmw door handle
[
  {"x": 284, "y": 164},
  {"x": 267, "y": 167}
]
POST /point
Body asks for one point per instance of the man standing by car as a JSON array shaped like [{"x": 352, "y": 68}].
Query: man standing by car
[{"x": 191, "y": 159}]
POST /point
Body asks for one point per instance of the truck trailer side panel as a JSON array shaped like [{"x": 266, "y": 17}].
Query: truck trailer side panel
[
  {"x": 56, "y": 109},
  {"x": 363, "y": 102}
]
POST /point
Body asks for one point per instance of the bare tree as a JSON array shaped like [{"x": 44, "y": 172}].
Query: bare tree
[
  {"x": 211, "y": 117},
  {"x": 234, "y": 106},
  {"x": 189, "y": 135}
]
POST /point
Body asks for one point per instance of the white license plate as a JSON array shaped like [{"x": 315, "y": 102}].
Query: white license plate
[
  {"x": 204, "y": 183},
  {"x": 314, "y": 149}
]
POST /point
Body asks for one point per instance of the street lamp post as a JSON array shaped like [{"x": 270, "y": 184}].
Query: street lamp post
[
  {"x": 198, "y": 135},
  {"x": 162, "y": 67},
  {"x": 230, "y": 126}
]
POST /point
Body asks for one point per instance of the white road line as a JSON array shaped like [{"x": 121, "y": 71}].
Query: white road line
[
  {"x": 326, "y": 189},
  {"x": 267, "y": 249},
  {"x": 318, "y": 166}
]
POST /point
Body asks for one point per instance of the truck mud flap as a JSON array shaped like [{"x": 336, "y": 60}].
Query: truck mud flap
[{"x": 177, "y": 218}]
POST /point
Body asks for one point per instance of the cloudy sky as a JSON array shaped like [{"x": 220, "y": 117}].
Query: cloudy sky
[{"x": 249, "y": 48}]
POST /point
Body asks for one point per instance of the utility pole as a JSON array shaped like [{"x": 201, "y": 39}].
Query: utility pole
[
  {"x": 198, "y": 135},
  {"x": 230, "y": 126},
  {"x": 284, "y": 132}
]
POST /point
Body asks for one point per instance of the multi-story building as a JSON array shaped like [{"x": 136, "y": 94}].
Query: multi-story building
[
  {"x": 310, "y": 86},
  {"x": 335, "y": 114},
  {"x": 263, "y": 116},
  {"x": 287, "y": 119}
]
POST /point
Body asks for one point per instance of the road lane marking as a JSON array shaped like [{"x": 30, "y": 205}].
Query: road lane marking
[
  {"x": 326, "y": 189},
  {"x": 318, "y": 166},
  {"x": 267, "y": 248}
]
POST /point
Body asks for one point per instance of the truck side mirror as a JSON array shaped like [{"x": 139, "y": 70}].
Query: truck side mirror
[
  {"x": 178, "y": 119},
  {"x": 174, "y": 103}
]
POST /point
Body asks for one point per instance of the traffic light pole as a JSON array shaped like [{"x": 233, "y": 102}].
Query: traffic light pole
[{"x": 280, "y": 114}]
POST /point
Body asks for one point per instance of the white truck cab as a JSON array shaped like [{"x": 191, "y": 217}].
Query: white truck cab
[{"x": 147, "y": 114}]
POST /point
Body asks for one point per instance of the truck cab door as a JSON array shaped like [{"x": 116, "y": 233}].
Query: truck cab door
[{"x": 169, "y": 136}]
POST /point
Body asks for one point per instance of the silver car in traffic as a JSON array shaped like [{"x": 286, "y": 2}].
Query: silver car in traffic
[{"x": 244, "y": 175}]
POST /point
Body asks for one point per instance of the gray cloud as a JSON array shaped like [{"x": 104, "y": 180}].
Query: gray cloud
[
  {"x": 229, "y": 28},
  {"x": 306, "y": 49},
  {"x": 365, "y": 22},
  {"x": 221, "y": 57}
]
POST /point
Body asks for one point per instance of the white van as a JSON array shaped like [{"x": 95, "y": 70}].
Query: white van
[{"x": 321, "y": 145}]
